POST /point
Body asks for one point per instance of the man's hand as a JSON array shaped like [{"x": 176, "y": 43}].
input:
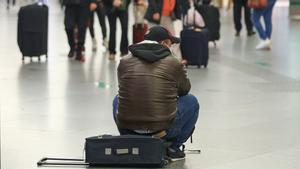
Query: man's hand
[
  {"x": 183, "y": 61},
  {"x": 93, "y": 6},
  {"x": 156, "y": 16},
  {"x": 117, "y": 3},
  {"x": 141, "y": 3}
]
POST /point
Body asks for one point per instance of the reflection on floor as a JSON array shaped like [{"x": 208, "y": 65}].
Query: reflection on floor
[{"x": 249, "y": 99}]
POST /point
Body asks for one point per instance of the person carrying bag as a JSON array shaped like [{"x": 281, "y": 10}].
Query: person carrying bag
[{"x": 257, "y": 4}]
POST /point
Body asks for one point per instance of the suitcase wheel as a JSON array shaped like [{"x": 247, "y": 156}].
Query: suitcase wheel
[
  {"x": 39, "y": 58},
  {"x": 165, "y": 162}
]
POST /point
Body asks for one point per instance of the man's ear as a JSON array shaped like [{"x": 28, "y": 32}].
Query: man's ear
[{"x": 164, "y": 43}]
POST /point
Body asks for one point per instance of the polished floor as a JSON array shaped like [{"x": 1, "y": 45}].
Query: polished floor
[{"x": 250, "y": 111}]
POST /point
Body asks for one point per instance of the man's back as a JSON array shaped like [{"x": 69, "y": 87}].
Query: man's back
[{"x": 150, "y": 79}]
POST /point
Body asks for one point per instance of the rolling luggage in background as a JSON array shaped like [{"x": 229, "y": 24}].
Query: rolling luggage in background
[
  {"x": 194, "y": 41},
  {"x": 211, "y": 16},
  {"x": 118, "y": 151},
  {"x": 139, "y": 27},
  {"x": 139, "y": 31},
  {"x": 194, "y": 47},
  {"x": 33, "y": 30}
]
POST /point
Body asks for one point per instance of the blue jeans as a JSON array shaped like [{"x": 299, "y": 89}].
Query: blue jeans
[
  {"x": 266, "y": 13},
  {"x": 183, "y": 124}
]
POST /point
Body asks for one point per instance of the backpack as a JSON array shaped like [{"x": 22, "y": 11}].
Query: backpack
[
  {"x": 193, "y": 19},
  {"x": 211, "y": 16}
]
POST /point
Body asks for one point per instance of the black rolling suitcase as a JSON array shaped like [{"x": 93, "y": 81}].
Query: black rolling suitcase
[
  {"x": 194, "y": 47},
  {"x": 118, "y": 151},
  {"x": 33, "y": 30},
  {"x": 125, "y": 150},
  {"x": 211, "y": 17}
]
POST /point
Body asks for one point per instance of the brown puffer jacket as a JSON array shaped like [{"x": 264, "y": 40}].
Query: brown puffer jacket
[{"x": 150, "y": 81}]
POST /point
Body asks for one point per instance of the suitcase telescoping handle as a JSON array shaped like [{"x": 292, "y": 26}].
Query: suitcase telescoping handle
[{"x": 65, "y": 161}]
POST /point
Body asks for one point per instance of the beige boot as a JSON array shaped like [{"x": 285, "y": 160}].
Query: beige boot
[
  {"x": 94, "y": 45},
  {"x": 111, "y": 56}
]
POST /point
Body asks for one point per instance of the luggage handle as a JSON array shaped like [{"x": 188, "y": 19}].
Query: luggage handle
[
  {"x": 68, "y": 161},
  {"x": 122, "y": 151}
]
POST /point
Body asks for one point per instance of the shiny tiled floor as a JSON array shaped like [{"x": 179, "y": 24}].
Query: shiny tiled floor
[{"x": 249, "y": 99}]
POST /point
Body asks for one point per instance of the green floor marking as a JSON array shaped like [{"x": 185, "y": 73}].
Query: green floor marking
[
  {"x": 263, "y": 64},
  {"x": 102, "y": 85}
]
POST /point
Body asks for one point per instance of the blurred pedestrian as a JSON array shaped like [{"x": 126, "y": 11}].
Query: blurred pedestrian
[
  {"x": 163, "y": 12},
  {"x": 237, "y": 13},
  {"x": 100, "y": 11},
  {"x": 264, "y": 33},
  {"x": 117, "y": 9},
  {"x": 76, "y": 17}
]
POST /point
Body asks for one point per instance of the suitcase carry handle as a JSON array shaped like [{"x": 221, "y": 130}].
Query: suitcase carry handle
[{"x": 67, "y": 161}]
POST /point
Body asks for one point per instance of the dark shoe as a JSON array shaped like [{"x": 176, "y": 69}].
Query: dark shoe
[
  {"x": 237, "y": 34},
  {"x": 124, "y": 54},
  {"x": 250, "y": 33},
  {"x": 71, "y": 53},
  {"x": 176, "y": 154},
  {"x": 80, "y": 56}
]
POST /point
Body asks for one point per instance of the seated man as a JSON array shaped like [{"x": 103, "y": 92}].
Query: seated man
[{"x": 153, "y": 93}]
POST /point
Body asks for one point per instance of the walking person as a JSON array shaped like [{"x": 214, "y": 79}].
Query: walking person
[
  {"x": 76, "y": 17},
  {"x": 100, "y": 11},
  {"x": 237, "y": 13},
  {"x": 8, "y": 4},
  {"x": 117, "y": 9},
  {"x": 163, "y": 12},
  {"x": 264, "y": 33}
]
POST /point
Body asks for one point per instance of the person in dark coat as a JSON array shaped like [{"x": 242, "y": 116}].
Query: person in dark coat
[
  {"x": 211, "y": 16},
  {"x": 117, "y": 9},
  {"x": 164, "y": 12},
  {"x": 76, "y": 17},
  {"x": 237, "y": 12},
  {"x": 100, "y": 11}
]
